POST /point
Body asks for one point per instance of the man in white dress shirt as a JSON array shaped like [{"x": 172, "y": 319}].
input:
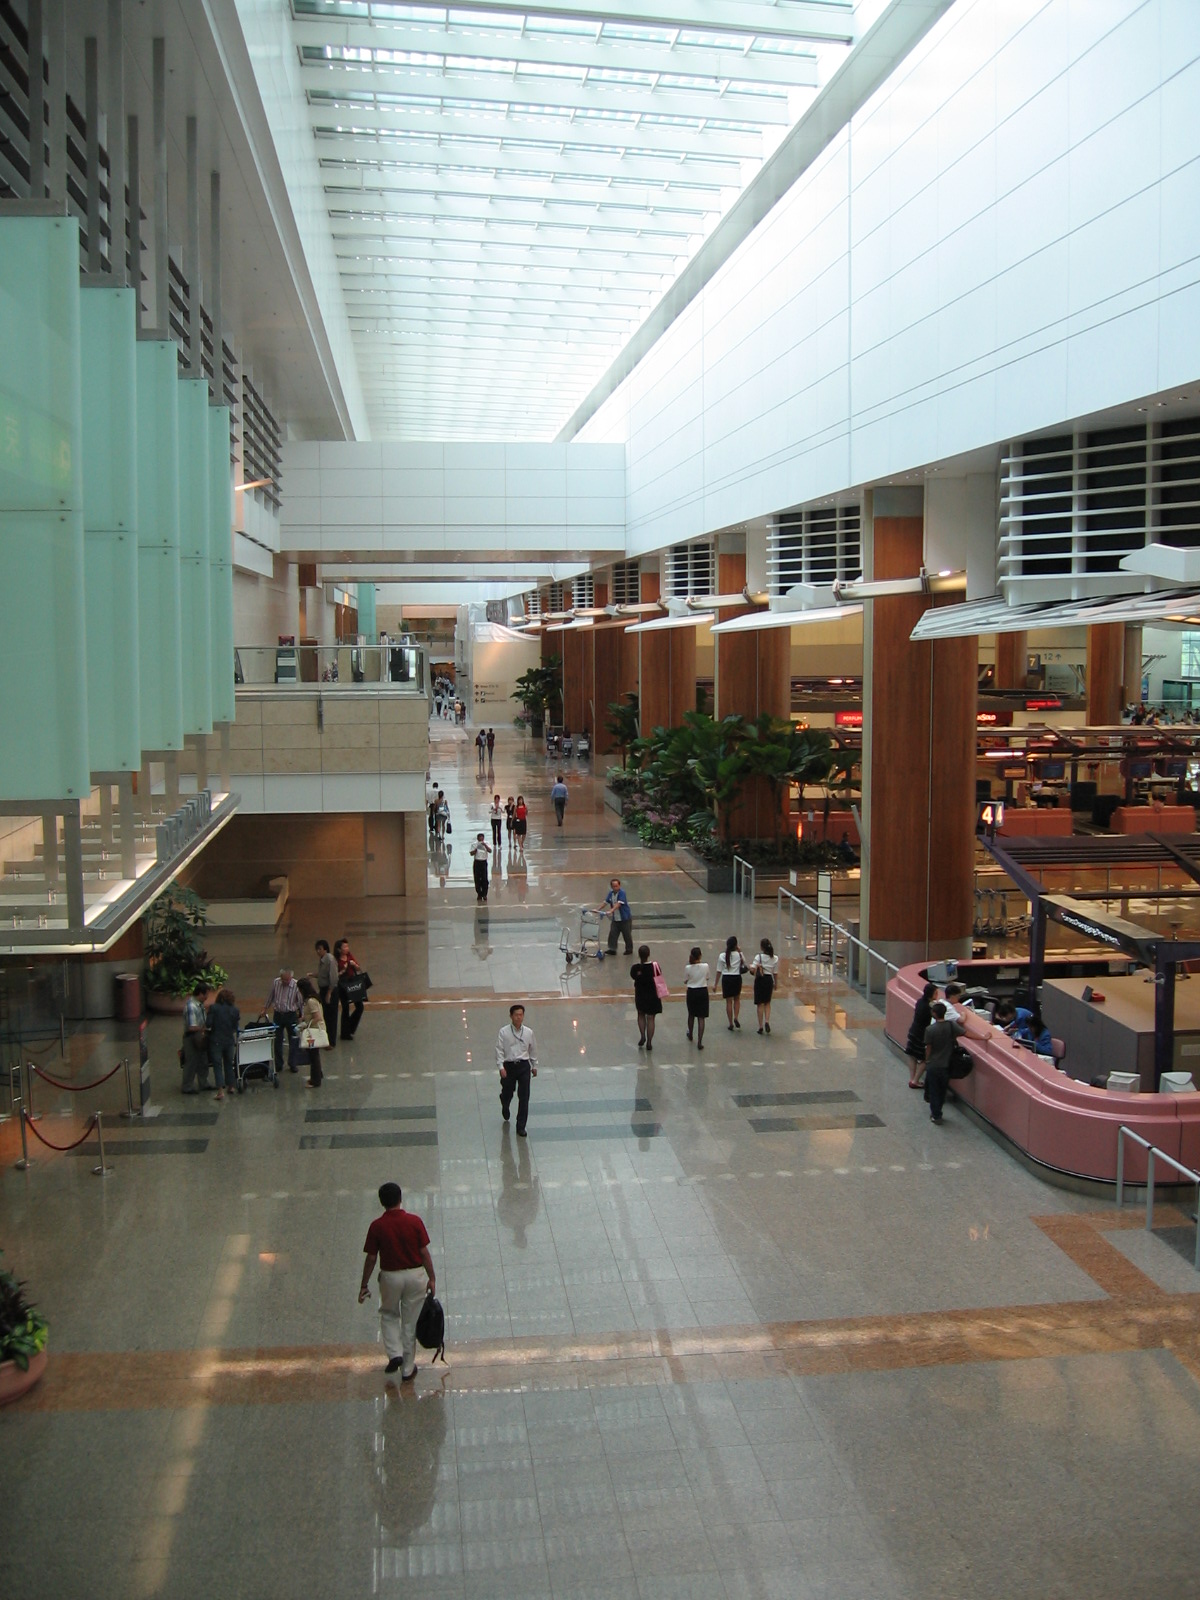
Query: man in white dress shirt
[{"x": 516, "y": 1060}]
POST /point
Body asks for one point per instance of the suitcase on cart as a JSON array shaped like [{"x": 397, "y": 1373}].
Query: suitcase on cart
[{"x": 256, "y": 1055}]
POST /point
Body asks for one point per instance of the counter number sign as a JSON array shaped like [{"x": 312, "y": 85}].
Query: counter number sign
[{"x": 991, "y": 816}]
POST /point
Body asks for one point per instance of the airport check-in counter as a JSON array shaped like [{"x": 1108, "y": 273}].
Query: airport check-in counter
[{"x": 1065, "y": 1125}]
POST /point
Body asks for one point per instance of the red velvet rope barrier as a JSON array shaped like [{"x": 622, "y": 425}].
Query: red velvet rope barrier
[
  {"x": 75, "y": 1088},
  {"x": 86, "y": 1134}
]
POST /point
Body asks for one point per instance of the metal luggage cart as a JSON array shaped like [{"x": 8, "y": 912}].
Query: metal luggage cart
[
  {"x": 583, "y": 745},
  {"x": 256, "y": 1054},
  {"x": 589, "y": 938}
]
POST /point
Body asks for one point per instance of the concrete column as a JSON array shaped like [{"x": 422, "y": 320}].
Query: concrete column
[
  {"x": 1131, "y": 674},
  {"x": 1105, "y": 663},
  {"x": 1011, "y": 660},
  {"x": 127, "y": 826},
  {"x": 918, "y": 758}
]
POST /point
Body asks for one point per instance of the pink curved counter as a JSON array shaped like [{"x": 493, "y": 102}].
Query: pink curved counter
[{"x": 1059, "y": 1122}]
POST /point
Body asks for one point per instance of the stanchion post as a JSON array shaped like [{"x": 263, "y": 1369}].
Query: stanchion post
[
  {"x": 27, "y": 1092},
  {"x": 101, "y": 1171},
  {"x": 1150, "y": 1191},
  {"x": 129, "y": 1111},
  {"x": 1120, "y": 1167},
  {"x": 24, "y": 1163}
]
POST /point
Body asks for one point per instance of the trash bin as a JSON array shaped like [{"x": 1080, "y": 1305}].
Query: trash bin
[{"x": 129, "y": 996}]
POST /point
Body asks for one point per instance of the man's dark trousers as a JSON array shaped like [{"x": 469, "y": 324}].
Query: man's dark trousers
[
  {"x": 615, "y": 930},
  {"x": 560, "y": 807},
  {"x": 285, "y": 1021},
  {"x": 516, "y": 1081},
  {"x": 938, "y": 1080}
]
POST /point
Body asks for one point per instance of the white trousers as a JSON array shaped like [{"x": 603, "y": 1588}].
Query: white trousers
[{"x": 401, "y": 1296}]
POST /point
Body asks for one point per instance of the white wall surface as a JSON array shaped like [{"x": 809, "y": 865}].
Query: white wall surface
[
  {"x": 1007, "y": 236},
  {"x": 369, "y": 499}
]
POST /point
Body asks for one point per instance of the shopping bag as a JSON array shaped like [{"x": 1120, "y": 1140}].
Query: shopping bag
[{"x": 660, "y": 983}]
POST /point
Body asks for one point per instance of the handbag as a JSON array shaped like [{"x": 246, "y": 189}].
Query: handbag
[
  {"x": 355, "y": 985},
  {"x": 960, "y": 1063},
  {"x": 314, "y": 1037},
  {"x": 431, "y": 1327},
  {"x": 660, "y": 983},
  {"x": 449, "y": 827}
]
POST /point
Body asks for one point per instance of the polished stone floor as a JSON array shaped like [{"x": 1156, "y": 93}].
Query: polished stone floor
[{"x": 738, "y": 1323}]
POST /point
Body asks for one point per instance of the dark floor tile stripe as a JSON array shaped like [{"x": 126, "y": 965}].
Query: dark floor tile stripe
[
  {"x": 578, "y": 1108},
  {"x": 815, "y": 1124},
  {"x": 371, "y": 1114},
  {"x": 636, "y": 1130},
  {"x": 146, "y": 1147},
  {"x": 177, "y": 1119},
  {"x": 365, "y": 1141},
  {"x": 803, "y": 1097}
]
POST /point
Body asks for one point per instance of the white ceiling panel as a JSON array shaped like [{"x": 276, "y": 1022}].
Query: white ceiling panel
[{"x": 511, "y": 191}]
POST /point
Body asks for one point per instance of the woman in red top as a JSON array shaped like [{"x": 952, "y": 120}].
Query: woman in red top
[
  {"x": 521, "y": 819},
  {"x": 347, "y": 967}
]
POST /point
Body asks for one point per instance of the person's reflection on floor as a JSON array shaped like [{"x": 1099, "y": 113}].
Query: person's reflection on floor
[
  {"x": 518, "y": 873},
  {"x": 440, "y": 855},
  {"x": 408, "y": 1447},
  {"x": 517, "y": 1206},
  {"x": 480, "y": 943}
]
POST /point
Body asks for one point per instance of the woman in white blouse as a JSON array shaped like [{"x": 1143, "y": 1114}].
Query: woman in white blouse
[
  {"x": 764, "y": 967},
  {"x": 731, "y": 963},
  {"x": 695, "y": 977}
]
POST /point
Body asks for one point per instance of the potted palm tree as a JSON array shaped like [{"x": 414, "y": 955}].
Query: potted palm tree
[
  {"x": 176, "y": 960},
  {"x": 538, "y": 689},
  {"x": 23, "y": 1333}
]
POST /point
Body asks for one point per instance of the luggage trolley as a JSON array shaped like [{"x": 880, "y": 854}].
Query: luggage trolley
[
  {"x": 256, "y": 1054},
  {"x": 589, "y": 938}
]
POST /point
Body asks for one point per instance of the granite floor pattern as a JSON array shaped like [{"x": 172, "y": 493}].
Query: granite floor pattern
[{"x": 857, "y": 1356}]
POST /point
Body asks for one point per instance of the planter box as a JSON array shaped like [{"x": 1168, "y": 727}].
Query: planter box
[
  {"x": 715, "y": 877},
  {"x": 615, "y": 802}
]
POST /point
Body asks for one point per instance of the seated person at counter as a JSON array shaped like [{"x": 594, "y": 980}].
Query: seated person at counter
[
  {"x": 1027, "y": 1026},
  {"x": 956, "y": 1002}
]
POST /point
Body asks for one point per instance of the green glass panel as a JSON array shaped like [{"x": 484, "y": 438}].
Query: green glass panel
[
  {"x": 160, "y": 627},
  {"x": 366, "y": 613},
  {"x": 43, "y": 717},
  {"x": 109, "y": 382},
  {"x": 194, "y": 538},
  {"x": 40, "y": 467},
  {"x": 220, "y": 570}
]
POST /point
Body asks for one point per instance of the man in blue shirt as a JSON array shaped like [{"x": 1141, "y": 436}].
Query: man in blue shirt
[
  {"x": 558, "y": 793},
  {"x": 616, "y": 905}
]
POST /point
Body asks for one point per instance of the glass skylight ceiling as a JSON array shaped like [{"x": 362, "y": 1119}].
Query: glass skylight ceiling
[{"x": 510, "y": 192}]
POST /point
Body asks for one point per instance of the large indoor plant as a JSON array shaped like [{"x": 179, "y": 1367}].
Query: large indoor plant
[
  {"x": 23, "y": 1333},
  {"x": 176, "y": 960},
  {"x": 539, "y": 689}
]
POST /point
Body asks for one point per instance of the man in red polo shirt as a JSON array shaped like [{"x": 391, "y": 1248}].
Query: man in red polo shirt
[{"x": 399, "y": 1242}]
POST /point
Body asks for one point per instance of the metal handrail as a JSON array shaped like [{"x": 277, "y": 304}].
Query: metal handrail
[
  {"x": 741, "y": 870},
  {"x": 836, "y": 931},
  {"x": 1153, "y": 1153}
]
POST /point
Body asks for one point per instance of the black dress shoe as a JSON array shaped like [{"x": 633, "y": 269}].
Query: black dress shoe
[{"x": 394, "y": 1364}]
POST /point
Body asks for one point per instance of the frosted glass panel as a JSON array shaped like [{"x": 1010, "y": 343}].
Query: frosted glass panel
[
  {"x": 43, "y": 716},
  {"x": 40, "y": 468},
  {"x": 109, "y": 383},
  {"x": 160, "y": 627},
  {"x": 43, "y": 713},
  {"x": 194, "y": 539},
  {"x": 221, "y": 564}
]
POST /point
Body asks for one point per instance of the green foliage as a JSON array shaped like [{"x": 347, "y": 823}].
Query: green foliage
[
  {"x": 23, "y": 1329},
  {"x": 175, "y": 956},
  {"x": 539, "y": 689},
  {"x": 783, "y": 754},
  {"x": 622, "y": 782},
  {"x": 622, "y": 723}
]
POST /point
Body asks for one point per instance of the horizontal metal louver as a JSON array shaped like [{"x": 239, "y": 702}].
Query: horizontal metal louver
[
  {"x": 552, "y": 599},
  {"x": 690, "y": 569},
  {"x": 820, "y": 546},
  {"x": 1072, "y": 505},
  {"x": 625, "y": 589},
  {"x": 532, "y": 602},
  {"x": 583, "y": 591}
]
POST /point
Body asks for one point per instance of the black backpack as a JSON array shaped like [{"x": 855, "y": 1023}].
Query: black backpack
[{"x": 431, "y": 1327}]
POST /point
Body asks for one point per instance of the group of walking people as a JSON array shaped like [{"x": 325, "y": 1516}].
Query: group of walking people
[{"x": 650, "y": 989}]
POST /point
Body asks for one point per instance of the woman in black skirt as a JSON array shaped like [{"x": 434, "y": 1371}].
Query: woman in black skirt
[
  {"x": 645, "y": 995},
  {"x": 695, "y": 977},
  {"x": 914, "y": 1047},
  {"x": 764, "y": 967},
  {"x": 730, "y": 966}
]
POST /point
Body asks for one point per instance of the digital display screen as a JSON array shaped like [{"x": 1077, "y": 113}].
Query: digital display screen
[{"x": 1052, "y": 769}]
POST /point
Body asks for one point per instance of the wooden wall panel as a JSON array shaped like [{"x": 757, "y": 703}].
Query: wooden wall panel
[{"x": 323, "y": 856}]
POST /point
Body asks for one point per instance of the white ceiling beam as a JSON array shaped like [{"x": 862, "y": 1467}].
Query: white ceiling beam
[
  {"x": 639, "y": 138},
  {"x": 819, "y": 21},
  {"x": 396, "y": 272},
  {"x": 564, "y": 50},
  {"x": 341, "y": 83},
  {"x": 515, "y": 232},
  {"x": 550, "y": 298},
  {"x": 554, "y": 216},
  {"x": 404, "y": 192},
  {"x": 478, "y": 158},
  {"x": 581, "y": 331},
  {"x": 511, "y": 251}
]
